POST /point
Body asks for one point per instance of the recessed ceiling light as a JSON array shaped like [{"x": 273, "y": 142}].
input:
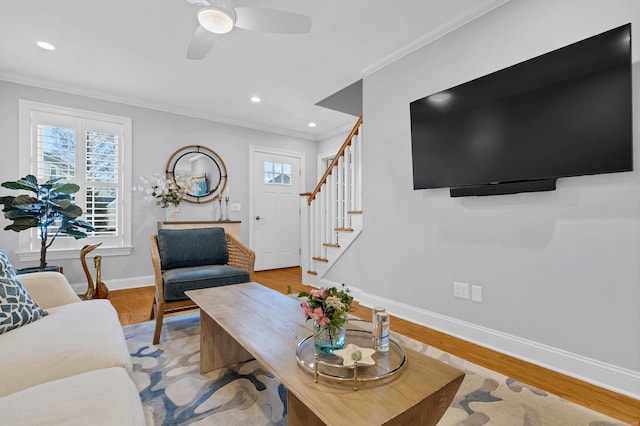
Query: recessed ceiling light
[
  {"x": 46, "y": 46},
  {"x": 312, "y": 124},
  {"x": 255, "y": 99}
]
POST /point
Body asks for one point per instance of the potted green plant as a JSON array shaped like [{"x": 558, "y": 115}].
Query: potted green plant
[{"x": 50, "y": 208}]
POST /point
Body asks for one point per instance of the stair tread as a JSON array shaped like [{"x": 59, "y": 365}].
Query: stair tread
[
  {"x": 354, "y": 212},
  {"x": 331, "y": 245},
  {"x": 312, "y": 273},
  {"x": 320, "y": 259},
  {"x": 344, "y": 229}
]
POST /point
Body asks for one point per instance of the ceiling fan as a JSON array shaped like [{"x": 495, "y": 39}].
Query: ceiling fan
[{"x": 220, "y": 17}]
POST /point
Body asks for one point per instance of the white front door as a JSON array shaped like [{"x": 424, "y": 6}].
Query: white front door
[{"x": 276, "y": 210}]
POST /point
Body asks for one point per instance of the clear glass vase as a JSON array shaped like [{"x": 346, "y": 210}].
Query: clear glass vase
[
  {"x": 172, "y": 212},
  {"x": 327, "y": 338}
]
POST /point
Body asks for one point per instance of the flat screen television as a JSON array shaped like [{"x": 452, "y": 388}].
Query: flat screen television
[{"x": 565, "y": 113}]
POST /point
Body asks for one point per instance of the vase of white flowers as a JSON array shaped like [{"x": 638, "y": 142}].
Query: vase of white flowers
[{"x": 167, "y": 193}]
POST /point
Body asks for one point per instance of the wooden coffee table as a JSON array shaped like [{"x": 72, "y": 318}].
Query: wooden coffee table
[{"x": 244, "y": 321}]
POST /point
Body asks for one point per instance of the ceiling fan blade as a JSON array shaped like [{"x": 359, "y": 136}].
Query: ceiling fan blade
[
  {"x": 272, "y": 21},
  {"x": 201, "y": 43}
]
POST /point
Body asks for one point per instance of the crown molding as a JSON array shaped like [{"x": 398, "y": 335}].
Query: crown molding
[
  {"x": 337, "y": 131},
  {"x": 139, "y": 103},
  {"x": 440, "y": 31}
]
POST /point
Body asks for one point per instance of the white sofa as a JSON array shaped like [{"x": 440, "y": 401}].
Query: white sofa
[{"x": 70, "y": 367}]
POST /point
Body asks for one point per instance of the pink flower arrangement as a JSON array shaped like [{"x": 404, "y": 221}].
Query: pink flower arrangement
[{"x": 326, "y": 306}]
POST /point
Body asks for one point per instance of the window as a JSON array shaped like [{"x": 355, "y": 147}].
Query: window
[
  {"x": 92, "y": 150},
  {"x": 277, "y": 173}
]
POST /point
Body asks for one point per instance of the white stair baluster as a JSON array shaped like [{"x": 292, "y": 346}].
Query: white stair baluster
[
  {"x": 347, "y": 187},
  {"x": 358, "y": 171},
  {"x": 313, "y": 229},
  {"x": 339, "y": 199}
]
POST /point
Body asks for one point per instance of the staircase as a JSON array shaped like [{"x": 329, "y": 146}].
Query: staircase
[{"x": 332, "y": 213}]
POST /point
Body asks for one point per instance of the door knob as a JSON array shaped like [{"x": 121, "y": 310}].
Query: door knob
[{"x": 258, "y": 218}]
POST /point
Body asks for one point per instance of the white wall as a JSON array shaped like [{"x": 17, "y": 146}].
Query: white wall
[
  {"x": 156, "y": 135},
  {"x": 560, "y": 270},
  {"x": 333, "y": 143}
]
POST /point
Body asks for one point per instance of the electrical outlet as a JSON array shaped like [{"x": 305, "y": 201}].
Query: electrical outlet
[
  {"x": 460, "y": 290},
  {"x": 476, "y": 293},
  {"x": 235, "y": 207}
]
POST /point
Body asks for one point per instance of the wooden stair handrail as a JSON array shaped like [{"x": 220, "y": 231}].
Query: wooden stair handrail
[{"x": 340, "y": 153}]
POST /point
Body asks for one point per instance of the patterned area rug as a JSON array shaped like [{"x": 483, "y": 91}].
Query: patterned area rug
[{"x": 175, "y": 393}]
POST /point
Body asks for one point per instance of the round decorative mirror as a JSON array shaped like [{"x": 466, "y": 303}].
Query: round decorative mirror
[{"x": 200, "y": 171}]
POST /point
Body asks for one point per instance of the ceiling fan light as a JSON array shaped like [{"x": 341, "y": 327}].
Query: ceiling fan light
[{"x": 216, "y": 20}]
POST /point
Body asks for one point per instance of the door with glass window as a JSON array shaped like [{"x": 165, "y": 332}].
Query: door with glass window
[{"x": 276, "y": 210}]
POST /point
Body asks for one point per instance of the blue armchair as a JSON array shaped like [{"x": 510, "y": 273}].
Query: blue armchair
[{"x": 191, "y": 259}]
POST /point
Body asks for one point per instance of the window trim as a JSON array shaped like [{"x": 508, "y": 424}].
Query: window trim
[{"x": 25, "y": 153}]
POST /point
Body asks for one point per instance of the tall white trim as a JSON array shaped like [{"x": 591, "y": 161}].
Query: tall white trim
[{"x": 322, "y": 158}]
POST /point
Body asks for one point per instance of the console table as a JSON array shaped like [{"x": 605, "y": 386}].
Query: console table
[{"x": 230, "y": 226}]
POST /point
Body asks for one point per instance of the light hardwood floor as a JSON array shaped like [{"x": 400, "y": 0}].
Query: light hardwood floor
[{"x": 134, "y": 306}]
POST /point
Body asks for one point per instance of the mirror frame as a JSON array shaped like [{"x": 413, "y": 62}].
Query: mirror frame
[{"x": 214, "y": 193}]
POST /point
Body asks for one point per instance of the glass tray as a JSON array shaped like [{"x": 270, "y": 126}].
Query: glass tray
[{"x": 330, "y": 366}]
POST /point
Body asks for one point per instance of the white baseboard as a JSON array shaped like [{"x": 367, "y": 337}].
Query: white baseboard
[
  {"x": 604, "y": 375},
  {"x": 120, "y": 284}
]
